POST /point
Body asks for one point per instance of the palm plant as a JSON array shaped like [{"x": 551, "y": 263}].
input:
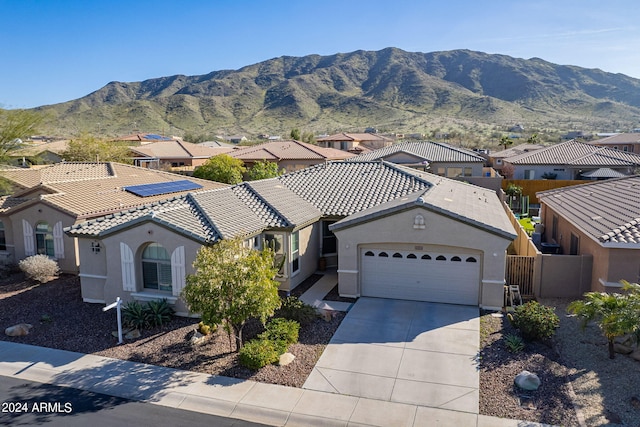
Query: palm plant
[{"x": 616, "y": 314}]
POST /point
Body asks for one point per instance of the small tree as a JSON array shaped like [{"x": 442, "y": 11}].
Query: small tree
[
  {"x": 262, "y": 170},
  {"x": 295, "y": 134},
  {"x": 221, "y": 168},
  {"x": 15, "y": 126},
  {"x": 88, "y": 148},
  {"x": 232, "y": 284},
  {"x": 505, "y": 141},
  {"x": 616, "y": 314}
]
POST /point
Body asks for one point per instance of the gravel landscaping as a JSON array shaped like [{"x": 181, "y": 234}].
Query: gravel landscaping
[
  {"x": 61, "y": 320},
  {"x": 574, "y": 366}
]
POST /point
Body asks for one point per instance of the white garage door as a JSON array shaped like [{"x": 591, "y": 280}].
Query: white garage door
[{"x": 421, "y": 275}]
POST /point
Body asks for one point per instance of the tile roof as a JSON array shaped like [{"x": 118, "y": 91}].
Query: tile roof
[
  {"x": 9, "y": 202},
  {"x": 603, "y": 173},
  {"x": 621, "y": 138},
  {"x": 87, "y": 190},
  {"x": 178, "y": 149},
  {"x": 429, "y": 151},
  {"x": 608, "y": 211},
  {"x": 347, "y": 136},
  {"x": 576, "y": 153},
  {"x": 56, "y": 147},
  {"x": 288, "y": 150},
  {"x": 334, "y": 189},
  {"x": 515, "y": 151}
]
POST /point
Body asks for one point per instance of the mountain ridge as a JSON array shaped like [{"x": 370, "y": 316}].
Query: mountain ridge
[{"x": 388, "y": 89}]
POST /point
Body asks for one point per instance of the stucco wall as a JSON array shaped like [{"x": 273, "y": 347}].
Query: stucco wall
[
  {"x": 624, "y": 264},
  {"x": 309, "y": 253},
  {"x": 41, "y": 212},
  {"x": 439, "y": 230}
]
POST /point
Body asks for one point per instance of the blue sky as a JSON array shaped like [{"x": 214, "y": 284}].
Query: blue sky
[{"x": 58, "y": 50}]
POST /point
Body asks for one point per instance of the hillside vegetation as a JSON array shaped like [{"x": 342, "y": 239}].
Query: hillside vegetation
[{"x": 390, "y": 89}]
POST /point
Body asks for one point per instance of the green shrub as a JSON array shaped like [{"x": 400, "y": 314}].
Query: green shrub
[
  {"x": 514, "y": 343},
  {"x": 134, "y": 315},
  {"x": 258, "y": 353},
  {"x": 535, "y": 321},
  {"x": 158, "y": 312},
  {"x": 294, "y": 309},
  {"x": 205, "y": 329},
  {"x": 40, "y": 268},
  {"x": 279, "y": 329}
]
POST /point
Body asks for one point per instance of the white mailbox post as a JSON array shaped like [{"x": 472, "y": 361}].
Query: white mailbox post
[{"x": 117, "y": 305}]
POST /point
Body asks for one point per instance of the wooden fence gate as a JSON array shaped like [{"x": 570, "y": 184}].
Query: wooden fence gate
[{"x": 520, "y": 272}]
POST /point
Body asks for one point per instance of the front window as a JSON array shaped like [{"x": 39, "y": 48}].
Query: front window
[
  {"x": 529, "y": 174},
  {"x": 275, "y": 241},
  {"x": 156, "y": 268},
  {"x": 329, "y": 243},
  {"x": 44, "y": 239},
  {"x": 295, "y": 252},
  {"x": 3, "y": 242}
]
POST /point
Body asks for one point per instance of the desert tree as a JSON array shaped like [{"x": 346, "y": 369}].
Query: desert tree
[
  {"x": 88, "y": 148},
  {"x": 232, "y": 284},
  {"x": 221, "y": 168},
  {"x": 15, "y": 127},
  {"x": 263, "y": 169},
  {"x": 505, "y": 141}
]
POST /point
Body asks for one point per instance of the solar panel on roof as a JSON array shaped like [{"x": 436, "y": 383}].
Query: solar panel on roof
[
  {"x": 156, "y": 136},
  {"x": 155, "y": 189}
]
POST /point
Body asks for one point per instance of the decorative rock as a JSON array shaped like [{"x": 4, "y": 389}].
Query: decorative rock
[
  {"x": 131, "y": 335},
  {"x": 197, "y": 338},
  {"x": 621, "y": 348},
  {"x": 636, "y": 354},
  {"x": 124, "y": 332},
  {"x": 527, "y": 381},
  {"x": 635, "y": 402},
  {"x": 285, "y": 359},
  {"x": 19, "y": 330}
]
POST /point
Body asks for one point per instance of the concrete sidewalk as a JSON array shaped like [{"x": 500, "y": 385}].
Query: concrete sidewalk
[{"x": 247, "y": 400}]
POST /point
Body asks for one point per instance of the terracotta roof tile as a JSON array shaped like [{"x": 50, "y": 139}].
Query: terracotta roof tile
[{"x": 429, "y": 151}]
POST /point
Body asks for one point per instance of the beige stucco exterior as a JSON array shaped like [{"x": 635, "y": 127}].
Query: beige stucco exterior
[
  {"x": 610, "y": 264},
  {"x": 440, "y": 231}
]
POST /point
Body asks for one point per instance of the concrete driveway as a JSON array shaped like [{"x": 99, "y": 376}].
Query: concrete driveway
[{"x": 411, "y": 352}]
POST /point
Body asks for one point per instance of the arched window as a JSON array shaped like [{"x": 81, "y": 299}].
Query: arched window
[
  {"x": 156, "y": 268},
  {"x": 441, "y": 258},
  {"x": 471, "y": 259},
  {"x": 383, "y": 254},
  {"x": 411, "y": 256},
  {"x": 397, "y": 255},
  {"x": 456, "y": 258},
  {"x": 368, "y": 253},
  {"x": 426, "y": 256},
  {"x": 44, "y": 239}
]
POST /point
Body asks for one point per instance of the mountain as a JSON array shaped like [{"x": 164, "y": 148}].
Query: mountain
[{"x": 388, "y": 89}]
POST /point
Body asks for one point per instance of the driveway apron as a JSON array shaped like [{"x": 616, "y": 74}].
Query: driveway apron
[{"x": 419, "y": 353}]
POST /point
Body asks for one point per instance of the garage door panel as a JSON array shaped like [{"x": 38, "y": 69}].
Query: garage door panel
[{"x": 413, "y": 277}]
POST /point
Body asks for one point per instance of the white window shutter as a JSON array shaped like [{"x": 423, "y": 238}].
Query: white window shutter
[
  {"x": 29, "y": 243},
  {"x": 177, "y": 270},
  {"x": 58, "y": 242},
  {"x": 128, "y": 271}
]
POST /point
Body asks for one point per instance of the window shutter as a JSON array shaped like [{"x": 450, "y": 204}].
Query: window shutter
[
  {"x": 128, "y": 271},
  {"x": 177, "y": 270},
  {"x": 29, "y": 243},
  {"x": 58, "y": 242}
]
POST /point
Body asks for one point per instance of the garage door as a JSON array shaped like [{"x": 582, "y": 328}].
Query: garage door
[{"x": 421, "y": 275}]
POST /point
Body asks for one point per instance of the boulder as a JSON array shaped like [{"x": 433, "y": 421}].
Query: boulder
[
  {"x": 197, "y": 338},
  {"x": 285, "y": 359},
  {"x": 621, "y": 348},
  {"x": 527, "y": 381},
  {"x": 132, "y": 335},
  {"x": 19, "y": 330},
  {"x": 636, "y": 354}
]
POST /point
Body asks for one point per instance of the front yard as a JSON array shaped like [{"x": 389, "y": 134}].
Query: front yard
[{"x": 605, "y": 390}]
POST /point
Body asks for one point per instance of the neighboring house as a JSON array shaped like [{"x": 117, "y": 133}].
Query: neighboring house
[
  {"x": 354, "y": 142},
  {"x": 399, "y": 233},
  {"x": 48, "y": 199},
  {"x": 570, "y": 160},
  {"x": 290, "y": 155},
  {"x": 183, "y": 156},
  {"x": 216, "y": 144},
  {"x": 629, "y": 142},
  {"x": 440, "y": 159},
  {"x": 40, "y": 153},
  {"x": 235, "y": 139},
  {"x": 601, "y": 219},
  {"x": 496, "y": 159}
]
